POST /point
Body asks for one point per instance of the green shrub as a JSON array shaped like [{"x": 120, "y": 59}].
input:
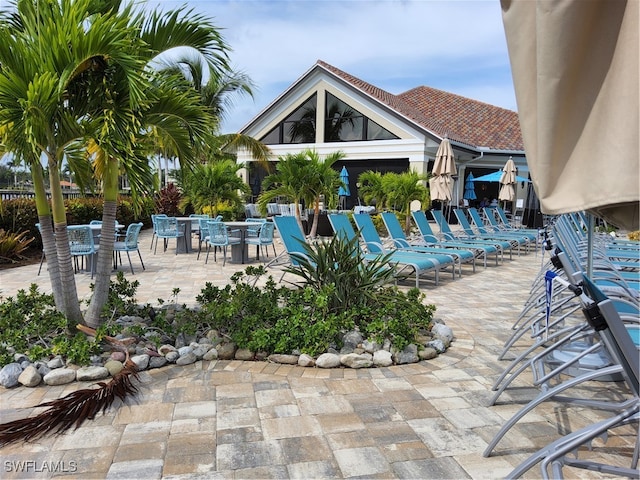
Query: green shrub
[{"x": 30, "y": 324}]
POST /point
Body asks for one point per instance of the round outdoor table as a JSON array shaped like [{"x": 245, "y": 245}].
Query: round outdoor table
[
  {"x": 187, "y": 224},
  {"x": 240, "y": 251}
]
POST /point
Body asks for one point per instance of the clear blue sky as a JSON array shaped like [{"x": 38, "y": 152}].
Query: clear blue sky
[{"x": 453, "y": 45}]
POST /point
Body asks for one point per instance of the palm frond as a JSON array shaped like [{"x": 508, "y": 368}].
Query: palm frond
[{"x": 71, "y": 410}]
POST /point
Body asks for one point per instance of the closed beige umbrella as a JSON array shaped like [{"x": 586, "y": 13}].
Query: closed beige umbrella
[
  {"x": 507, "y": 181},
  {"x": 575, "y": 71},
  {"x": 441, "y": 182}
]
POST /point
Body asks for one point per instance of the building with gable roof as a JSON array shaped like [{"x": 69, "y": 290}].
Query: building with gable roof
[{"x": 327, "y": 109}]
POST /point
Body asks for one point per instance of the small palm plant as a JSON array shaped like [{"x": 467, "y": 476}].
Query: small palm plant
[{"x": 339, "y": 263}]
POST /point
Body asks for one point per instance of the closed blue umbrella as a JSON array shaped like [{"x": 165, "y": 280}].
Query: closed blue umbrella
[
  {"x": 343, "y": 191},
  {"x": 469, "y": 188}
]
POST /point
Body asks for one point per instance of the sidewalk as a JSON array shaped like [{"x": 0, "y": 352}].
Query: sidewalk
[{"x": 237, "y": 420}]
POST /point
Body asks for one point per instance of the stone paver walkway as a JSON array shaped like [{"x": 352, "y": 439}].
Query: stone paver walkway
[{"x": 237, "y": 420}]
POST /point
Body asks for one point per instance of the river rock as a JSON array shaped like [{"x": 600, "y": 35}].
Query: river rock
[
  {"x": 226, "y": 351},
  {"x": 56, "y": 362},
  {"x": 114, "y": 367},
  {"x": 30, "y": 377},
  {"x": 305, "y": 360},
  {"x": 244, "y": 354},
  {"x": 157, "y": 362},
  {"x": 172, "y": 357},
  {"x": 328, "y": 360},
  {"x": 211, "y": 355},
  {"x": 284, "y": 359},
  {"x": 141, "y": 361},
  {"x": 60, "y": 376},
  {"x": 427, "y": 353},
  {"x": 352, "y": 338},
  {"x": 187, "y": 359},
  {"x": 353, "y": 360},
  {"x": 382, "y": 358},
  {"x": 9, "y": 375},
  {"x": 93, "y": 372},
  {"x": 408, "y": 355}
]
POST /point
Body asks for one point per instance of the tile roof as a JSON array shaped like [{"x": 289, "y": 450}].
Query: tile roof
[{"x": 462, "y": 119}]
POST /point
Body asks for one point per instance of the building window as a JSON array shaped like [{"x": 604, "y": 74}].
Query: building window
[
  {"x": 299, "y": 127},
  {"x": 345, "y": 124}
]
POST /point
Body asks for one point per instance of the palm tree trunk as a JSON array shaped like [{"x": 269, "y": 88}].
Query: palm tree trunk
[
  {"x": 107, "y": 238},
  {"x": 316, "y": 215},
  {"x": 46, "y": 232},
  {"x": 65, "y": 264}
]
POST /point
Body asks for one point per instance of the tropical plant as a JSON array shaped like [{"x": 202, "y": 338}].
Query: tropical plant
[
  {"x": 371, "y": 188},
  {"x": 324, "y": 181},
  {"x": 403, "y": 188},
  {"x": 207, "y": 186},
  {"x": 290, "y": 180},
  {"x": 338, "y": 263}
]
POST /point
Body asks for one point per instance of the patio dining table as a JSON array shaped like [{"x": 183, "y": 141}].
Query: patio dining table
[
  {"x": 188, "y": 225},
  {"x": 240, "y": 251}
]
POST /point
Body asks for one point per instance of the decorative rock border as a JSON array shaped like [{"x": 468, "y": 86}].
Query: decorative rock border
[{"x": 356, "y": 352}]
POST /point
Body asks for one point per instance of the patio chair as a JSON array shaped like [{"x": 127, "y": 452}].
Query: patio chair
[
  {"x": 507, "y": 242},
  {"x": 448, "y": 234},
  {"x": 293, "y": 240},
  {"x": 263, "y": 239},
  {"x": 155, "y": 228},
  {"x": 418, "y": 264},
  {"x": 166, "y": 229},
  {"x": 602, "y": 316},
  {"x": 374, "y": 245},
  {"x": 218, "y": 237},
  {"x": 129, "y": 244},
  {"x": 81, "y": 244},
  {"x": 580, "y": 353},
  {"x": 427, "y": 235},
  {"x": 523, "y": 239},
  {"x": 401, "y": 242},
  {"x": 532, "y": 233}
]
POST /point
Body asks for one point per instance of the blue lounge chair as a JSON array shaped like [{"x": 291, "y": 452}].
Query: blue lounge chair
[
  {"x": 419, "y": 264},
  {"x": 504, "y": 242},
  {"x": 523, "y": 239},
  {"x": 447, "y": 233},
  {"x": 374, "y": 245},
  {"x": 292, "y": 239},
  {"x": 402, "y": 243},
  {"x": 420, "y": 218}
]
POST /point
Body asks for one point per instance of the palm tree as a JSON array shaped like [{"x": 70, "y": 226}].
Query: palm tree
[
  {"x": 403, "y": 188},
  {"x": 79, "y": 70},
  {"x": 371, "y": 188},
  {"x": 208, "y": 186},
  {"x": 324, "y": 181},
  {"x": 290, "y": 180}
]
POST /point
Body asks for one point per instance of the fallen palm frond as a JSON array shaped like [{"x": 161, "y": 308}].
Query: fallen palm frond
[{"x": 72, "y": 410}]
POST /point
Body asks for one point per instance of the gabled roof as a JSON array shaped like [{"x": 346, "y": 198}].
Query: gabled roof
[{"x": 462, "y": 119}]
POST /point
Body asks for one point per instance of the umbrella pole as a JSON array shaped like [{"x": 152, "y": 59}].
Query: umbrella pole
[{"x": 590, "y": 226}]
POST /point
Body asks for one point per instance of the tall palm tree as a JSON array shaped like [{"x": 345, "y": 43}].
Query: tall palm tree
[
  {"x": 290, "y": 180},
  {"x": 207, "y": 186},
  {"x": 324, "y": 181},
  {"x": 78, "y": 70},
  {"x": 371, "y": 188},
  {"x": 403, "y": 188}
]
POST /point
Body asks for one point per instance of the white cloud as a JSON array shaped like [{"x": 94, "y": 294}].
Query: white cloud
[{"x": 457, "y": 46}]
